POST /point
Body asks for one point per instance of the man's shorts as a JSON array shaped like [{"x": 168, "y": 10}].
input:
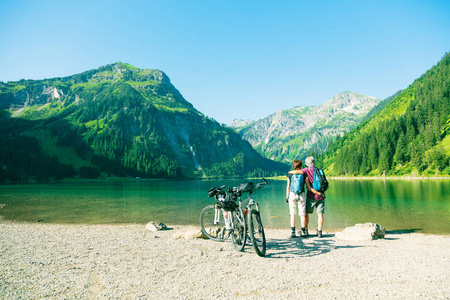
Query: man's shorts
[
  {"x": 318, "y": 204},
  {"x": 297, "y": 200}
]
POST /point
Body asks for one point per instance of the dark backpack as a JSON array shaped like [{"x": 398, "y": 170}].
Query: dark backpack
[
  {"x": 297, "y": 184},
  {"x": 320, "y": 182}
]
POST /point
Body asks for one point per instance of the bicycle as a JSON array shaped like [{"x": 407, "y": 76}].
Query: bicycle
[
  {"x": 224, "y": 219},
  {"x": 227, "y": 218},
  {"x": 254, "y": 223}
]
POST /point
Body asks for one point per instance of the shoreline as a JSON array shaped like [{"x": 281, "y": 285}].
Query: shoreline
[
  {"x": 125, "y": 261},
  {"x": 389, "y": 178},
  {"x": 376, "y": 178},
  {"x": 329, "y": 230},
  {"x": 131, "y": 179}
]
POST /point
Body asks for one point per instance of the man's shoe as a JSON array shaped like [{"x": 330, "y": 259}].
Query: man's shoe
[
  {"x": 293, "y": 235},
  {"x": 319, "y": 233}
]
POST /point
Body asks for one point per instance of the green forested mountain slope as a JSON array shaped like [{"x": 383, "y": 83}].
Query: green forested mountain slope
[
  {"x": 119, "y": 120},
  {"x": 410, "y": 135}
]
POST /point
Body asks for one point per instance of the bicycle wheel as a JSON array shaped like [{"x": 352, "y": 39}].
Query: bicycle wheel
[
  {"x": 212, "y": 223},
  {"x": 239, "y": 231},
  {"x": 256, "y": 232}
]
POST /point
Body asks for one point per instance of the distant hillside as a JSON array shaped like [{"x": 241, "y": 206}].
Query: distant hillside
[
  {"x": 410, "y": 135},
  {"x": 294, "y": 133},
  {"x": 118, "y": 120}
]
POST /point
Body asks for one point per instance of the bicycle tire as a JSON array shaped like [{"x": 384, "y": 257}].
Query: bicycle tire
[
  {"x": 239, "y": 231},
  {"x": 212, "y": 230},
  {"x": 256, "y": 232}
]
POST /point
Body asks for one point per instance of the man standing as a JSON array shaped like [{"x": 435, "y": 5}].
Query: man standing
[{"x": 313, "y": 198}]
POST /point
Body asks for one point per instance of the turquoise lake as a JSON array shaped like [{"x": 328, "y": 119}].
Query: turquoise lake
[{"x": 410, "y": 205}]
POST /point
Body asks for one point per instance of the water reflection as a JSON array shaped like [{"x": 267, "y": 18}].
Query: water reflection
[{"x": 395, "y": 204}]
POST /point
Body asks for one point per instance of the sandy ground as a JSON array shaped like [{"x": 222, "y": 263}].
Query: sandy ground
[{"x": 127, "y": 262}]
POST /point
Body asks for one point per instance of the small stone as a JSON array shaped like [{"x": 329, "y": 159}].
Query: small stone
[
  {"x": 189, "y": 233},
  {"x": 155, "y": 226}
]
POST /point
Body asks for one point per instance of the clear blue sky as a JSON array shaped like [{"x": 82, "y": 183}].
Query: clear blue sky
[{"x": 232, "y": 59}]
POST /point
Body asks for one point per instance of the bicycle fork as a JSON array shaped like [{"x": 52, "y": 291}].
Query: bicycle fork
[
  {"x": 235, "y": 220},
  {"x": 217, "y": 212},
  {"x": 228, "y": 226}
]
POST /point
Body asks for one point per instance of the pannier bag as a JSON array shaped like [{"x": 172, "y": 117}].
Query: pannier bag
[{"x": 228, "y": 205}]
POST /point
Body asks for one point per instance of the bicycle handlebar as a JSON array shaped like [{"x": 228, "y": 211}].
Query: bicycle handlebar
[
  {"x": 237, "y": 191},
  {"x": 246, "y": 187},
  {"x": 216, "y": 190},
  {"x": 259, "y": 185}
]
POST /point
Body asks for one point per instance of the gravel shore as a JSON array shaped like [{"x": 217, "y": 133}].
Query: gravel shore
[{"x": 128, "y": 262}]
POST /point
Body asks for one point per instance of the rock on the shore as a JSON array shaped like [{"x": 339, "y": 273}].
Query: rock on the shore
[
  {"x": 155, "y": 226},
  {"x": 362, "y": 232},
  {"x": 188, "y": 233}
]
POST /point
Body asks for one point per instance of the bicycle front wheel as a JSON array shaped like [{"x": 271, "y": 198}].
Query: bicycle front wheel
[
  {"x": 212, "y": 223},
  {"x": 256, "y": 232},
  {"x": 239, "y": 231}
]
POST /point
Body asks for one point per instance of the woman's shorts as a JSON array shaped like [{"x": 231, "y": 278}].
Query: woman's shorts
[{"x": 297, "y": 201}]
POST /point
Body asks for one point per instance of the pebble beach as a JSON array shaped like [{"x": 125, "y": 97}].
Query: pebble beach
[{"x": 58, "y": 261}]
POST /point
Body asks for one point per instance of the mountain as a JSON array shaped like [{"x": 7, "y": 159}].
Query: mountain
[
  {"x": 410, "y": 135},
  {"x": 294, "y": 133},
  {"x": 117, "y": 120},
  {"x": 236, "y": 124}
]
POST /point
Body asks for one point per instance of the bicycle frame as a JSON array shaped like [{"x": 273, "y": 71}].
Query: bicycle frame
[
  {"x": 250, "y": 203},
  {"x": 229, "y": 221}
]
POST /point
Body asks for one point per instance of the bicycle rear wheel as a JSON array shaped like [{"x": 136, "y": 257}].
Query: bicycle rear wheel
[
  {"x": 212, "y": 223},
  {"x": 256, "y": 232},
  {"x": 239, "y": 231}
]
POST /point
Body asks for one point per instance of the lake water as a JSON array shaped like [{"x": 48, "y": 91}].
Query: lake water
[{"x": 422, "y": 205}]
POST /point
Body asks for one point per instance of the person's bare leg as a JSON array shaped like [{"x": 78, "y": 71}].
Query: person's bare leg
[
  {"x": 319, "y": 221},
  {"x": 319, "y": 224},
  {"x": 293, "y": 220},
  {"x": 303, "y": 221}
]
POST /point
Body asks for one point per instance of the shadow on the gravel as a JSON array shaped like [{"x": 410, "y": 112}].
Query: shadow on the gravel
[
  {"x": 403, "y": 231},
  {"x": 400, "y": 231},
  {"x": 290, "y": 248}
]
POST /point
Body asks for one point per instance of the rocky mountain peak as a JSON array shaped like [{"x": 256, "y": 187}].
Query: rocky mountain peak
[
  {"x": 126, "y": 72},
  {"x": 351, "y": 102},
  {"x": 237, "y": 123},
  {"x": 301, "y": 129}
]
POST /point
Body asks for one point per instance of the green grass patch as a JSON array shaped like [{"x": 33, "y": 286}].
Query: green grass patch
[
  {"x": 394, "y": 108},
  {"x": 131, "y": 67},
  {"x": 170, "y": 109},
  {"x": 143, "y": 83},
  {"x": 445, "y": 143}
]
